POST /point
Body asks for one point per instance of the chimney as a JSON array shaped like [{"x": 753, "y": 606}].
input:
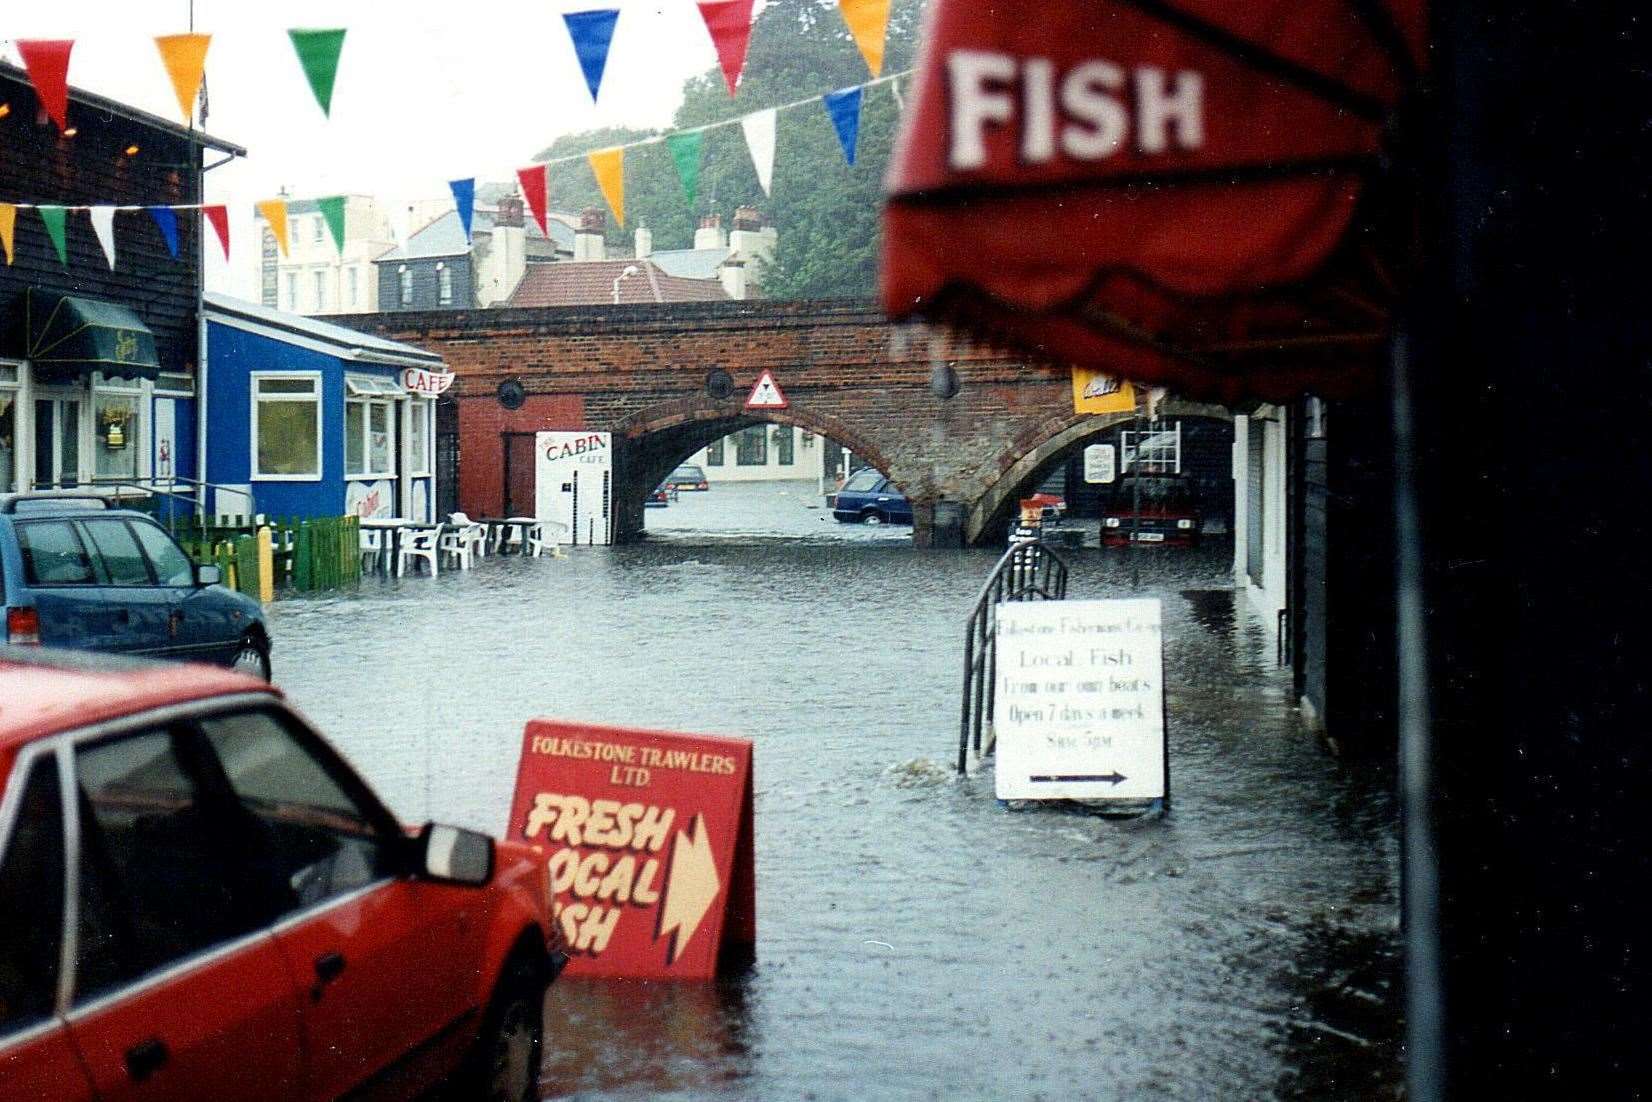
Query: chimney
[
  {"x": 588, "y": 243},
  {"x": 509, "y": 213},
  {"x": 710, "y": 233},
  {"x": 644, "y": 241},
  {"x": 753, "y": 239},
  {"x": 747, "y": 218}
]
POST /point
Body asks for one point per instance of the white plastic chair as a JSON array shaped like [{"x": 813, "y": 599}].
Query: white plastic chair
[
  {"x": 372, "y": 548},
  {"x": 474, "y": 534},
  {"x": 420, "y": 543},
  {"x": 543, "y": 534},
  {"x": 456, "y": 546}
]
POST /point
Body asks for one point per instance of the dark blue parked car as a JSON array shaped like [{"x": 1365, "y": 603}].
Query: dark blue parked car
[
  {"x": 870, "y": 498},
  {"x": 76, "y": 573}
]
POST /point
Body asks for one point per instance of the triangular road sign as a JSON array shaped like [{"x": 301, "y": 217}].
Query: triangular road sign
[{"x": 766, "y": 394}]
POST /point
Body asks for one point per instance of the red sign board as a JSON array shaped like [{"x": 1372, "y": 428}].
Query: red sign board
[{"x": 648, "y": 838}]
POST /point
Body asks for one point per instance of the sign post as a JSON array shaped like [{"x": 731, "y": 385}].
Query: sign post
[
  {"x": 1080, "y": 701},
  {"x": 647, "y": 836}
]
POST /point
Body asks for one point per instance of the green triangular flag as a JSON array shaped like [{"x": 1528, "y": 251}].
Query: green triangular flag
[
  {"x": 54, "y": 217},
  {"x": 318, "y": 52},
  {"x": 685, "y": 150},
  {"x": 332, "y": 209}
]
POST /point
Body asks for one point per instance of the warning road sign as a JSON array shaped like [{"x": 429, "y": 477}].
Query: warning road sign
[{"x": 766, "y": 394}]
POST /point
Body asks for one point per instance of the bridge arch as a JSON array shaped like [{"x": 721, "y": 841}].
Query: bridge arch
[{"x": 1036, "y": 453}]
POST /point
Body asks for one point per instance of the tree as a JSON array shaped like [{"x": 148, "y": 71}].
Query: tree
[{"x": 827, "y": 213}]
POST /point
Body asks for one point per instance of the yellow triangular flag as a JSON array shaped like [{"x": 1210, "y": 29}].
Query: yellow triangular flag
[
  {"x": 275, "y": 213},
  {"x": 184, "y": 56},
  {"x": 8, "y": 226},
  {"x": 869, "y": 23},
  {"x": 609, "y": 166}
]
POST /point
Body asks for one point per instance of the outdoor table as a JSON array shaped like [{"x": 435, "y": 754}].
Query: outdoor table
[
  {"x": 499, "y": 528},
  {"x": 393, "y": 527}
]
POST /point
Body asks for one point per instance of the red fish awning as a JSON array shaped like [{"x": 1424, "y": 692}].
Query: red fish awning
[{"x": 1186, "y": 193}]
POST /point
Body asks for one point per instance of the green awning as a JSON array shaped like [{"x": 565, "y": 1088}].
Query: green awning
[{"x": 70, "y": 335}]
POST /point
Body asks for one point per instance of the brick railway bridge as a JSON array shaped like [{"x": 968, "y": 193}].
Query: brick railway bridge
[{"x": 649, "y": 375}]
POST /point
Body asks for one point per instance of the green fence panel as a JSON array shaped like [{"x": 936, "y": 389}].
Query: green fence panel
[
  {"x": 246, "y": 565},
  {"x": 302, "y": 576}
]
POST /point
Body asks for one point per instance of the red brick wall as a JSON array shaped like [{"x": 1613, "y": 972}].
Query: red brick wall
[{"x": 482, "y": 421}]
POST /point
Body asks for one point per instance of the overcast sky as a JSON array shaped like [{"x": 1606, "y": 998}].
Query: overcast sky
[{"x": 427, "y": 91}]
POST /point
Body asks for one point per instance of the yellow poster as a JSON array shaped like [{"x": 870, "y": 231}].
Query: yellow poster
[{"x": 1094, "y": 392}]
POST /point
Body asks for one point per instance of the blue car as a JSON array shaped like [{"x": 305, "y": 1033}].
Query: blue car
[
  {"x": 76, "y": 573},
  {"x": 870, "y": 498}
]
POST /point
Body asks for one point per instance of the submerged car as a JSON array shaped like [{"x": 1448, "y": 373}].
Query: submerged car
[
  {"x": 1152, "y": 508},
  {"x": 75, "y": 572},
  {"x": 870, "y": 498},
  {"x": 202, "y": 900},
  {"x": 688, "y": 476},
  {"x": 660, "y": 498}
]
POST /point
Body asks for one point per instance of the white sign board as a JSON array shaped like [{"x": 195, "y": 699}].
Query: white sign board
[
  {"x": 1099, "y": 464},
  {"x": 574, "y": 484},
  {"x": 1079, "y": 711}
]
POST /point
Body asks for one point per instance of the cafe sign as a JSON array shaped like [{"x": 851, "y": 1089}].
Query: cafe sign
[{"x": 418, "y": 380}]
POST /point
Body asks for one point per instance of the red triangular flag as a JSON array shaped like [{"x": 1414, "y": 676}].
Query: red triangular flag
[
  {"x": 219, "y": 218},
  {"x": 48, "y": 63},
  {"x": 533, "y": 182},
  {"x": 729, "y": 22}
]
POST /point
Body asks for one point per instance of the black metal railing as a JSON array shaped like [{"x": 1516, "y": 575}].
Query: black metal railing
[{"x": 1029, "y": 571}]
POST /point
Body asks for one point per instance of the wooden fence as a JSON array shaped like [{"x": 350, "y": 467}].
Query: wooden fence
[{"x": 303, "y": 554}]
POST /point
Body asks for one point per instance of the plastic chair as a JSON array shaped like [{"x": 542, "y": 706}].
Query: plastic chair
[
  {"x": 456, "y": 545},
  {"x": 543, "y": 534},
  {"x": 422, "y": 543},
  {"x": 372, "y": 548},
  {"x": 476, "y": 535}
]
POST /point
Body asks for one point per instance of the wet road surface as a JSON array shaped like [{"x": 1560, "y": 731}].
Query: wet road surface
[{"x": 915, "y": 938}]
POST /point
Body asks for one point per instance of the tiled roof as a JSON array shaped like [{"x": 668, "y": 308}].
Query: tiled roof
[
  {"x": 691, "y": 263},
  {"x": 591, "y": 282}
]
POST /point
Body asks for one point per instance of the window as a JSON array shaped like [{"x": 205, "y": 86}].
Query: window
[
  {"x": 115, "y": 429},
  {"x": 323, "y": 840},
  {"x": 783, "y": 445},
  {"x": 378, "y": 438},
  {"x": 863, "y": 481},
  {"x": 714, "y": 454},
  {"x": 8, "y": 436},
  {"x": 444, "y": 285},
  {"x": 170, "y": 866},
  {"x": 318, "y": 230},
  {"x": 53, "y": 554},
  {"x": 352, "y": 281},
  {"x": 292, "y": 291},
  {"x": 406, "y": 278},
  {"x": 171, "y": 566},
  {"x": 355, "y": 438},
  {"x": 369, "y": 439},
  {"x": 31, "y": 902},
  {"x": 321, "y": 290},
  {"x": 751, "y": 447},
  {"x": 286, "y": 426},
  {"x": 419, "y": 434},
  {"x": 118, "y": 551}
]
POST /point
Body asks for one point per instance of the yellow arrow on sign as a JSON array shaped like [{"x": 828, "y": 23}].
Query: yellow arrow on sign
[{"x": 692, "y": 887}]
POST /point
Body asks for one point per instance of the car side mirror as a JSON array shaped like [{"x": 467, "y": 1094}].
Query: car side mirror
[
  {"x": 208, "y": 575},
  {"x": 452, "y": 855}
]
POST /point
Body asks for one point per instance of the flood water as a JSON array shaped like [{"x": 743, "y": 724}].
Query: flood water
[{"x": 916, "y": 939}]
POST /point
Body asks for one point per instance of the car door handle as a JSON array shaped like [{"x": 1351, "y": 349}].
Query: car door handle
[
  {"x": 146, "y": 1058},
  {"x": 328, "y": 967}
]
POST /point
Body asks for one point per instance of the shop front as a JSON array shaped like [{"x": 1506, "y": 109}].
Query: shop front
[{"x": 309, "y": 419}]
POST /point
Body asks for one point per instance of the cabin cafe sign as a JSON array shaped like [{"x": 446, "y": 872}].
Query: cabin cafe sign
[{"x": 417, "y": 380}]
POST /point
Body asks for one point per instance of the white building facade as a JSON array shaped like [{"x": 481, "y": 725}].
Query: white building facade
[{"x": 316, "y": 276}]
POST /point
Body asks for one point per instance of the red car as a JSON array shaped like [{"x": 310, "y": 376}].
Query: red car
[
  {"x": 200, "y": 899},
  {"x": 1152, "y": 507}
]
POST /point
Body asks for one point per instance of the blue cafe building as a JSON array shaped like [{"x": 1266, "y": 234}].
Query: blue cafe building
[{"x": 310, "y": 419}]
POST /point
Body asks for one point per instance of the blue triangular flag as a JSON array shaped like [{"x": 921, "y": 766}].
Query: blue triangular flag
[
  {"x": 592, "y": 32},
  {"x": 167, "y": 221},
  {"x": 464, "y": 198},
  {"x": 844, "y": 107}
]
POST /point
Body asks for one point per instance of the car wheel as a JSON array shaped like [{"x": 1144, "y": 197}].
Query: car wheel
[
  {"x": 252, "y": 657},
  {"x": 871, "y": 516},
  {"x": 505, "y": 1064}
]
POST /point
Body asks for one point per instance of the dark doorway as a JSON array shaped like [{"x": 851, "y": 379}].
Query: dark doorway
[
  {"x": 447, "y": 456},
  {"x": 519, "y": 473}
]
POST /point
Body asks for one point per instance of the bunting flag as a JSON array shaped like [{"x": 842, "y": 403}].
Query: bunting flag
[
  {"x": 275, "y": 214},
  {"x": 184, "y": 56},
  {"x": 103, "y": 224},
  {"x": 47, "y": 61},
  {"x": 593, "y": 33},
  {"x": 729, "y": 22},
  {"x": 844, "y": 108},
  {"x": 166, "y": 220},
  {"x": 868, "y": 22},
  {"x": 609, "y": 167},
  {"x": 8, "y": 227},
  {"x": 332, "y": 210},
  {"x": 464, "y": 201},
  {"x": 534, "y": 182},
  {"x": 759, "y": 128},
  {"x": 218, "y": 218},
  {"x": 54, "y": 217},
  {"x": 685, "y": 154},
  {"x": 318, "y": 52}
]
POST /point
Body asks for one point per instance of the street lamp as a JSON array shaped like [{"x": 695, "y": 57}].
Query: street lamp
[{"x": 630, "y": 270}]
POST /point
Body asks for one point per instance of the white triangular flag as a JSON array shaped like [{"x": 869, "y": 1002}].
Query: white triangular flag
[
  {"x": 103, "y": 224},
  {"x": 759, "y": 128}
]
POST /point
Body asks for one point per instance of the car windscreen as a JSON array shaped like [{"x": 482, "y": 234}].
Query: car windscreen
[
  {"x": 863, "y": 480},
  {"x": 687, "y": 474},
  {"x": 1159, "y": 493}
]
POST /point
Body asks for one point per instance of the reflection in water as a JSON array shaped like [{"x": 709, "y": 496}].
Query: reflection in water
[{"x": 915, "y": 938}]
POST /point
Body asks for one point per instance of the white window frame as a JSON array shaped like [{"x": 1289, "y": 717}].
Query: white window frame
[
  {"x": 320, "y": 275},
  {"x": 444, "y": 285},
  {"x": 368, "y": 391},
  {"x": 11, "y": 385},
  {"x": 353, "y": 278},
  {"x": 256, "y": 377},
  {"x": 292, "y": 291},
  {"x": 423, "y": 464},
  {"x": 319, "y": 230},
  {"x": 404, "y": 285}
]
